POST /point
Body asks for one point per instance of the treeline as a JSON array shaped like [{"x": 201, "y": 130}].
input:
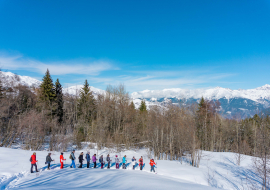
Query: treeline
[{"x": 34, "y": 117}]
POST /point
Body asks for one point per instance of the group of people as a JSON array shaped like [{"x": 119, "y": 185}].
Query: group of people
[{"x": 88, "y": 159}]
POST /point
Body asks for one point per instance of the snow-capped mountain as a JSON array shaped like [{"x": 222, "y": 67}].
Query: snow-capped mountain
[
  {"x": 257, "y": 94},
  {"x": 241, "y": 103},
  {"x": 9, "y": 78},
  {"x": 75, "y": 90}
]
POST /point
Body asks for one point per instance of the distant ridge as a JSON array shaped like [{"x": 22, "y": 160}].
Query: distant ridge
[{"x": 241, "y": 103}]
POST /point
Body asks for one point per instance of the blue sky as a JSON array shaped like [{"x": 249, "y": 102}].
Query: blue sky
[{"x": 143, "y": 44}]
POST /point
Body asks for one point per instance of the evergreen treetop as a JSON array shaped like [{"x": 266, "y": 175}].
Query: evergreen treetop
[
  {"x": 47, "y": 88},
  {"x": 143, "y": 107},
  {"x": 86, "y": 103},
  {"x": 132, "y": 105},
  {"x": 59, "y": 101}
]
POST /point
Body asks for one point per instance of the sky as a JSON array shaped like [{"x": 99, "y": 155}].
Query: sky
[{"x": 142, "y": 44}]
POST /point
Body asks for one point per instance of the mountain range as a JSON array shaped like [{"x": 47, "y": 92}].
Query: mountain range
[{"x": 239, "y": 103}]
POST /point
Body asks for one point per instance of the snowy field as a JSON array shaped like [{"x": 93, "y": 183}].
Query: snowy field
[{"x": 217, "y": 170}]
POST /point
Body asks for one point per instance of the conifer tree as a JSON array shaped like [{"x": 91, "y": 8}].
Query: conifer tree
[
  {"x": 86, "y": 104},
  {"x": 1, "y": 90},
  {"x": 132, "y": 105},
  {"x": 59, "y": 101},
  {"x": 142, "y": 107},
  {"x": 47, "y": 88}
]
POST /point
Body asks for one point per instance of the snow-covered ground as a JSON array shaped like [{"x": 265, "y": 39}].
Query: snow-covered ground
[{"x": 217, "y": 170}]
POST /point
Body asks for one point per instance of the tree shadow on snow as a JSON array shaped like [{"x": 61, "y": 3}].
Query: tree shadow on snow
[{"x": 246, "y": 176}]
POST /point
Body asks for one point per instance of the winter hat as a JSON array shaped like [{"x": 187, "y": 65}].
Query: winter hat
[
  {"x": 115, "y": 155},
  {"x": 62, "y": 153}
]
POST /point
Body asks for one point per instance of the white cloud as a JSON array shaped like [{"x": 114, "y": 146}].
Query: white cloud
[
  {"x": 158, "y": 81},
  {"x": 77, "y": 66},
  {"x": 134, "y": 80}
]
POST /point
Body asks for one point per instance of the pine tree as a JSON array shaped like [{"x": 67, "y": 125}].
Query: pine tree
[
  {"x": 47, "y": 89},
  {"x": 201, "y": 104},
  {"x": 1, "y": 90},
  {"x": 142, "y": 107},
  {"x": 59, "y": 101},
  {"x": 132, "y": 106},
  {"x": 86, "y": 104}
]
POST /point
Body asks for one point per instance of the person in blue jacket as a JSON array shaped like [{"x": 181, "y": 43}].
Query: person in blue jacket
[
  {"x": 124, "y": 162},
  {"x": 87, "y": 157}
]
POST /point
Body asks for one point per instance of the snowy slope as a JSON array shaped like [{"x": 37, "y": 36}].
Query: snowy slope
[
  {"x": 11, "y": 78},
  {"x": 217, "y": 170}
]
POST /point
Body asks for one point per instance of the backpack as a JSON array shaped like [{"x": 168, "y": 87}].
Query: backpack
[
  {"x": 70, "y": 157},
  {"x": 31, "y": 159}
]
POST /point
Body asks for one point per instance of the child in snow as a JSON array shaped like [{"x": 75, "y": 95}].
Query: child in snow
[
  {"x": 133, "y": 162},
  {"x": 49, "y": 160},
  {"x": 87, "y": 157},
  {"x": 61, "y": 160},
  {"x": 116, "y": 162},
  {"x": 94, "y": 159},
  {"x": 109, "y": 161},
  {"x": 81, "y": 160},
  {"x": 141, "y": 162},
  {"x": 124, "y": 162},
  {"x": 101, "y": 161},
  {"x": 33, "y": 162},
  {"x": 152, "y": 164}
]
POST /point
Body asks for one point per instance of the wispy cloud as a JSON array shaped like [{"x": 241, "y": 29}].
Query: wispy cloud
[
  {"x": 72, "y": 72},
  {"x": 76, "y": 66},
  {"x": 160, "y": 80}
]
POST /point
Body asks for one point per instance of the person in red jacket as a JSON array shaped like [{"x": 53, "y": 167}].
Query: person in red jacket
[
  {"x": 33, "y": 162},
  {"x": 152, "y": 164},
  {"x": 61, "y": 160},
  {"x": 141, "y": 163}
]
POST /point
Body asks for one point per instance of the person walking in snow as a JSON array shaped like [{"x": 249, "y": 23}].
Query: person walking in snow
[
  {"x": 61, "y": 160},
  {"x": 152, "y": 164},
  {"x": 101, "y": 161},
  {"x": 133, "y": 162},
  {"x": 94, "y": 159},
  {"x": 87, "y": 157},
  {"x": 81, "y": 160},
  {"x": 49, "y": 160},
  {"x": 109, "y": 161},
  {"x": 124, "y": 162},
  {"x": 33, "y": 161},
  {"x": 141, "y": 162},
  {"x": 116, "y": 162},
  {"x": 72, "y": 157}
]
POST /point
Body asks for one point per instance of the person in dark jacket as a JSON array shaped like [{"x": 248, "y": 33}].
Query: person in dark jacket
[
  {"x": 49, "y": 160},
  {"x": 109, "y": 161},
  {"x": 81, "y": 160},
  {"x": 101, "y": 161},
  {"x": 88, "y": 159},
  {"x": 33, "y": 162}
]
